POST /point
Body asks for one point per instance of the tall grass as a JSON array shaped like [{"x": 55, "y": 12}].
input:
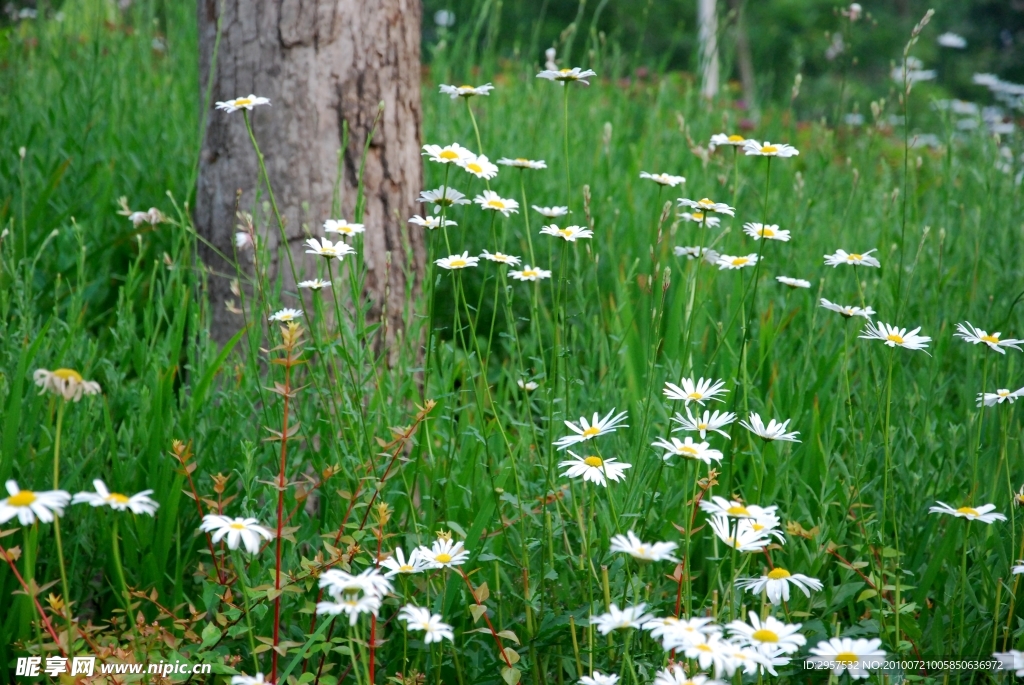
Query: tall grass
[{"x": 383, "y": 456}]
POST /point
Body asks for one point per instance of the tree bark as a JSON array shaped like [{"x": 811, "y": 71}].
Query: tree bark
[
  {"x": 321, "y": 63},
  {"x": 707, "y": 21}
]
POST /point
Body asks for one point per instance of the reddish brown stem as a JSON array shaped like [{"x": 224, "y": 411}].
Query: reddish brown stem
[
  {"x": 281, "y": 481},
  {"x": 35, "y": 600},
  {"x": 487, "y": 618}
]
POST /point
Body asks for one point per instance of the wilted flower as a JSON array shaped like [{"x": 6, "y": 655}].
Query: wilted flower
[{"x": 67, "y": 383}]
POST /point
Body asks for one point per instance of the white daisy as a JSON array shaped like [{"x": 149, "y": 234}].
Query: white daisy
[
  {"x": 990, "y": 399},
  {"x": 700, "y": 218},
  {"x": 723, "y": 139},
  {"x": 706, "y": 205},
  {"x": 768, "y": 635},
  {"x": 753, "y": 147},
  {"x": 139, "y": 503},
  {"x": 443, "y": 553},
  {"x": 594, "y": 469},
  {"x": 846, "y": 654},
  {"x": 449, "y": 154},
  {"x": 895, "y": 337},
  {"x": 854, "y": 258},
  {"x": 676, "y": 633},
  {"x": 766, "y": 231},
  {"x": 866, "y": 312},
  {"x": 703, "y": 389},
  {"x": 1018, "y": 568},
  {"x": 793, "y": 282},
  {"x": 776, "y": 584},
  {"x": 720, "y": 506},
  {"x": 530, "y": 273},
  {"x": 479, "y": 166},
  {"x": 457, "y": 92},
  {"x": 592, "y": 429},
  {"x": 692, "y": 252},
  {"x": 343, "y": 227},
  {"x": 712, "y": 653},
  {"x": 455, "y": 261},
  {"x": 984, "y": 513},
  {"x": 325, "y": 248},
  {"x": 432, "y": 222},
  {"x": 370, "y": 582},
  {"x": 664, "y": 179},
  {"x": 528, "y": 386},
  {"x": 397, "y": 564},
  {"x": 29, "y": 506},
  {"x": 285, "y": 315},
  {"x": 569, "y": 233},
  {"x": 702, "y": 424},
  {"x": 237, "y": 531},
  {"x": 551, "y": 212},
  {"x": 500, "y": 257},
  {"x": 676, "y": 675},
  {"x": 688, "y": 449},
  {"x": 442, "y": 197},
  {"x": 315, "y": 284},
  {"x": 730, "y": 262},
  {"x": 644, "y": 551},
  {"x": 67, "y": 383},
  {"x": 599, "y": 679},
  {"x": 353, "y": 605},
  {"x": 564, "y": 76},
  {"x": 740, "y": 538},
  {"x": 419, "y": 618},
  {"x": 523, "y": 163},
  {"x": 773, "y": 431},
  {"x": 975, "y": 335},
  {"x": 624, "y": 619},
  {"x": 492, "y": 201},
  {"x": 246, "y": 103}
]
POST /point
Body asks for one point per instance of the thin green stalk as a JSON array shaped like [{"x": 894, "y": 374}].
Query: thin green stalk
[
  {"x": 65, "y": 588},
  {"x": 119, "y": 568},
  {"x": 243, "y": 581}
]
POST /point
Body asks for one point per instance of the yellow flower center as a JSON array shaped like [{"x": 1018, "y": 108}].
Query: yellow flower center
[
  {"x": 968, "y": 511},
  {"x": 641, "y": 550},
  {"x": 757, "y": 527},
  {"x": 769, "y": 149},
  {"x": 521, "y": 160},
  {"x": 696, "y": 396},
  {"x": 698, "y": 216},
  {"x": 846, "y": 658},
  {"x": 854, "y": 257},
  {"x": 702, "y": 426},
  {"x": 466, "y": 87},
  {"x": 736, "y": 139},
  {"x": 476, "y": 169},
  {"x": 117, "y": 497},
  {"x": 457, "y": 263},
  {"x": 529, "y": 273},
  {"x": 993, "y": 339},
  {"x": 689, "y": 450},
  {"x": 405, "y": 568},
  {"x": 242, "y": 102},
  {"x": 567, "y": 232},
  {"x": 595, "y": 462},
  {"x": 564, "y": 71},
  {"x": 767, "y": 232},
  {"x": 68, "y": 375},
  {"x": 591, "y": 432},
  {"x": 22, "y": 499},
  {"x": 706, "y": 203},
  {"x": 778, "y": 574},
  {"x": 448, "y": 154},
  {"x": 237, "y": 526},
  {"x": 892, "y": 337},
  {"x": 443, "y": 558},
  {"x": 740, "y": 261},
  {"x": 765, "y": 635},
  {"x": 1003, "y": 393},
  {"x": 704, "y": 647},
  {"x": 497, "y": 204},
  {"x": 737, "y": 510}
]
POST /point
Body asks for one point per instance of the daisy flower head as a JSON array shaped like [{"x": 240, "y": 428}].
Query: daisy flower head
[
  {"x": 343, "y": 227},
  {"x": 599, "y": 679},
  {"x": 701, "y": 218},
  {"x": 325, "y": 248},
  {"x": 706, "y": 205},
  {"x": 443, "y": 553},
  {"x": 703, "y": 389},
  {"x": 340, "y": 583},
  {"x": 243, "y": 679},
  {"x": 773, "y": 431},
  {"x": 530, "y": 273},
  {"x": 676, "y": 675},
  {"x": 397, "y": 564},
  {"x": 449, "y": 154},
  {"x": 644, "y": 551},
  {"x": 1011, "y": 661},
  {"x": 624, "y": 619},
  {"x": 353, "y": 605},
  {"x": 793, "y": 282},
  {"x": 724, "y": 139},
  {"x": 702, "y": 424},
  {"x": 848, "y": 312},
  {"x": 246, "y": 103},
  {"x": 769, "y": 635},
  {"x": 740, "y": 538},
  {"x": 852, "y": 258},
  {"x": 766, "y": 149},
  {"x": 419, "y": 618},
  {"x": 564, "y": 76},
  {"x": 586, "y": 430},
  {"x": 285, "y": 315},
  {"x": 894, "y": 336},
  {"x": 442, "y": 197},
  {"x": 712, "y": 653},
  {"x": 594, "y": 469},
  {"x": 664, "y": 179},
  {"x": 139, "y": 503},
  {"x": 551, "y": 212},
  {"x": 499, "y": 257},
  {"x": 720, "y": 506},
  {"x": 30, "y": 506},
  {"x": 681, "y": 632},
  {"x": 490, "y": 200},
  {"x": 729, "y": 262},
  {"x": 67, "y": 383},
  {"x": 990, "y": 399},
  {"x": 246, "y": 532},
  {"x": 688, "y": 449},
  {"x": 528, "y": 386},
  {"x": 776, "y": 584},
  {"x": 462, "y": 261},
  {"x": 315, "y": 284},
  {"x": 985, "y": 513},
  {"x": 457, "y": 92},
  {"x": 479, "y": 166},
  {"x": 569, "y": 233},
  {"x": 847, "y": 654},
  {"x": 152, "y": 217},
  {"x": 975, "y": 335},
  {"x": 432, "y": 222},
  {"x": 523, "y": 163},
  {"x": 692, "y": 252},
  {"x": 766, "y": 231},
  {"x": 1018, "y": 568}
]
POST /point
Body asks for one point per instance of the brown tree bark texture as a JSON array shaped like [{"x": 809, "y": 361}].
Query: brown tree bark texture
[{"x": 321, "y": 63}]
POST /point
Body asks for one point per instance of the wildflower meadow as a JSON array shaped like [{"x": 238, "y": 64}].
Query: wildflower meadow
[{"x": 681, "y": 396}]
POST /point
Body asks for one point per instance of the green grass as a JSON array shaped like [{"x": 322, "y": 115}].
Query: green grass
[{"x": 103, "y": 115}]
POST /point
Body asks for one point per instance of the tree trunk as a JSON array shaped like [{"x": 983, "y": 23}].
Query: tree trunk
[
  {"x": 321, "y": 63},
  {"x": 707, "y": 21}
]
